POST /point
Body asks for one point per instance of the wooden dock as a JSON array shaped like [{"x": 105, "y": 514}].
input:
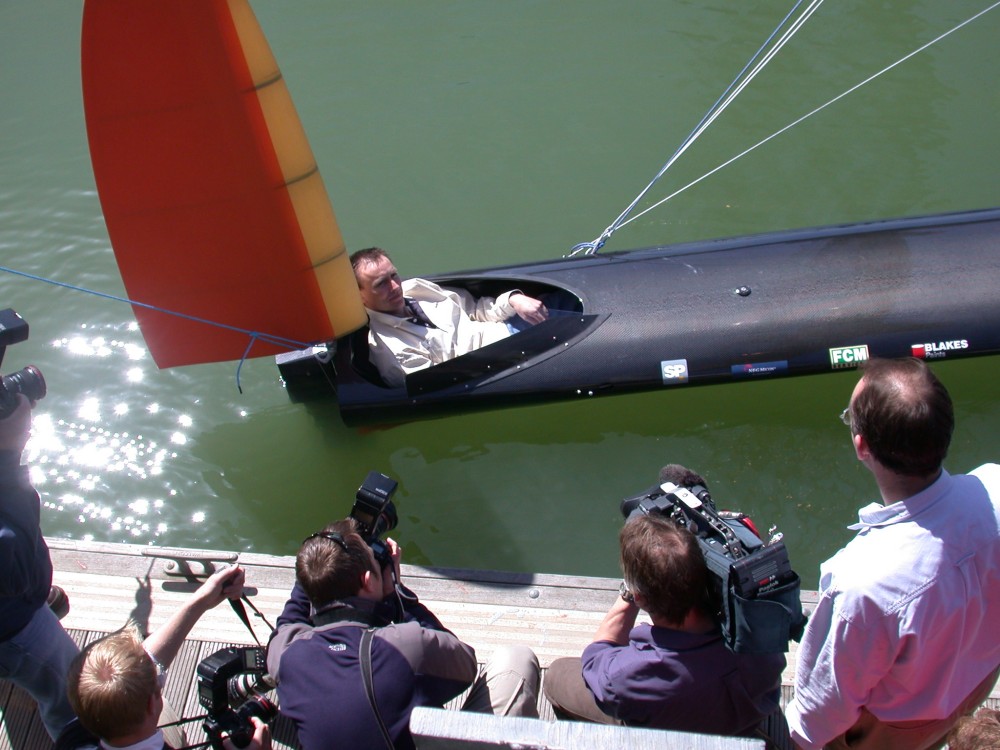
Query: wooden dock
[{"x": 108, "y": 584}]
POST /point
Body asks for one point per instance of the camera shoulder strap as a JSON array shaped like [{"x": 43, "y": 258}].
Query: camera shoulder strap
[{"x": 366, "y": 675}]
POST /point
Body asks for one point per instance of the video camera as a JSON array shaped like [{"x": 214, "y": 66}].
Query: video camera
[
  {"x": 28, "y": 380},
  {"x": 759, "y": 591},
  {"x": 374, "y": 514},
  {"x": 229, "y": 689}
]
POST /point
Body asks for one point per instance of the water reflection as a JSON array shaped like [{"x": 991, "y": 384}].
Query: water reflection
[{"x": 104, "y": 460}]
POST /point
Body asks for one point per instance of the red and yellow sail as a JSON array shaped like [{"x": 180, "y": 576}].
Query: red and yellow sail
[{"x": 211, "y": 194}]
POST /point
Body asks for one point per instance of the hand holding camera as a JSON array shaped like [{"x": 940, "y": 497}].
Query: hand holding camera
[{"x": 27, "y": 381}]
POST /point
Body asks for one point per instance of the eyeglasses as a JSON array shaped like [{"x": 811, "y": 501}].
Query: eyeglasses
[{"x": 845, "y": 416}]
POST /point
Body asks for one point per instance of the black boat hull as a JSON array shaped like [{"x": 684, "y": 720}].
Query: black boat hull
[{"x": 789, "y": 303}]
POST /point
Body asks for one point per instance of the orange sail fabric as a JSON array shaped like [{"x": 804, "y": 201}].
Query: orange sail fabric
[{"x": 209, "y": 188}]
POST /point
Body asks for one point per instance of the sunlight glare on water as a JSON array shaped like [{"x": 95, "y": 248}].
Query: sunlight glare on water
[{"x": 476, "y": 134}]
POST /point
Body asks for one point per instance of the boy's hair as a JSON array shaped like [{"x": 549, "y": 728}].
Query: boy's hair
[{"x": 111, "y": 682}]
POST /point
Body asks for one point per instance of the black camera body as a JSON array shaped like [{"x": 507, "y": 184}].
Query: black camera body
[
  {"x": 28, "y": 380},
  {"x": 374, "y": 514},
  {"x": 760, "y": 604},
  {"x": 228, "y": 689}
]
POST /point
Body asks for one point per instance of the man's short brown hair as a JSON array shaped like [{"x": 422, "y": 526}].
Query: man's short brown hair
[
  {"x": 663, "y": 562},
  {"x": 904, "y": 414},
  {"x": 328, "y": 571},
  {"x": 111, "y": 682},
  {"x": 366, "y": 256},
  {"x": 976, "y": 732}
]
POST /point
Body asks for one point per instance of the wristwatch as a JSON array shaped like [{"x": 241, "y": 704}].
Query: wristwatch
[{"x": 626, "y": 593}]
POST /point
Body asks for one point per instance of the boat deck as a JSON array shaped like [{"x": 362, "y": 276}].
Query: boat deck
[{"x": 109, "y": 584}]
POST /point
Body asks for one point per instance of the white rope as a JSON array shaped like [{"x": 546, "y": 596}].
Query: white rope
[
  {"x": 720, "y": 104},
  {"x": 813, "y": 112}
]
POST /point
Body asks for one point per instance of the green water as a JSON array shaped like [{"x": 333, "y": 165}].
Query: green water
[{"x": 464, "y": 134}]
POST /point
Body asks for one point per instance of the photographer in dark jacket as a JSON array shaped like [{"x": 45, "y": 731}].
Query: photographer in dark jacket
[
  {"x": 341, "y": 629},
  {"x": 35, "y": 651}
]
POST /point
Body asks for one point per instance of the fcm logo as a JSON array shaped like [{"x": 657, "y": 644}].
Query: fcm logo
[
  {"x": 674, "y": 371},
  {"x": 847, "y": 356}
]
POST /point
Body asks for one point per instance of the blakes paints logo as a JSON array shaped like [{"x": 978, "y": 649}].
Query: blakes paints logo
[
  {"x": 674, "y": 371},
  {"x": 848, "y": 356},
  {"x": 939, "y": 349}
]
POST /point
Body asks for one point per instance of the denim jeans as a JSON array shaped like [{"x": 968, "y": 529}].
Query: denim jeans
[{"x": 37, "y": 660}]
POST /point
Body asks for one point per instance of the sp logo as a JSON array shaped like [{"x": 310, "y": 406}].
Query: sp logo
[{"x": 674, "y": 371}]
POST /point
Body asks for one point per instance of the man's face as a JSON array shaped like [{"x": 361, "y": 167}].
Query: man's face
[{"x": 380, "y": 286}]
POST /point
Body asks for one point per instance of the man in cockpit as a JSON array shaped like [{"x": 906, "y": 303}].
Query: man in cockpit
[{"x": 415, "y": 323}]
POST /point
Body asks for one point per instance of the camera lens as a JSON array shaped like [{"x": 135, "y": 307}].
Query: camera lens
[
  {"x": 28, "y": 381},
  {"x": 241, "y": 687},
  {"x": 261, "y": 707}
]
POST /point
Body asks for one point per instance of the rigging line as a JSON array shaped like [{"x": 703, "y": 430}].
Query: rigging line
[
  {"x": 710, "y": 116},
  {"x": 815, "y": 111},
  {"x": 767, "y": 58},
  {"x": 254, "y": 335}
]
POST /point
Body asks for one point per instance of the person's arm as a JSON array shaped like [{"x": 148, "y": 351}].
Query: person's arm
[
  {"x": 528, "y": 308},
  {"x": 837, "y": 666},
  {"x": 395, "y": 591},
  {"x": 443, "y": 665},
  {"x": 19, "y": 510},
  {"x": 506, "y": 306},
  {"x": 15, "y": 428},
  {"x": 167, "y": 640},
  {"x": 618, "y": 623}
]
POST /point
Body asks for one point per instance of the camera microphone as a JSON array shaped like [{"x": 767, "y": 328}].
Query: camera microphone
[{"x": 684, "y": 477}]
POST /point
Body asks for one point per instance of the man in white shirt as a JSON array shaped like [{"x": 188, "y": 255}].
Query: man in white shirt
[
  {"x": 905, "y": 637},
  {"x": 414, "y": 324}
]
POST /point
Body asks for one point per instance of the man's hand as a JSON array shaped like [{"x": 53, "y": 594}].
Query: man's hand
[
  {"x": 15, "y": 428},
  {"x": 221, "y": 585},
  {"x": 261, "y": 739},
  {"x": 618, "y": 622},
  {"x": 530, "y": 309},
  {"x": 389, "y": 578}
]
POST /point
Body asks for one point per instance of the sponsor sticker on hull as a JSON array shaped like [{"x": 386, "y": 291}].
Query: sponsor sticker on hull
[
  {"x": 754, "y": 369},
  {"x": 674, "y": 371},
  {"x": 939, "y": 349},
  {"x": 842, "y": 357}
]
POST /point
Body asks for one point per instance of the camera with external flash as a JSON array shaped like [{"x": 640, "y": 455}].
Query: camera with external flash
[
  {"x": 28, "y": 380},
  {"x": 374, "y": 514},
  {"x": 231, "y": 686}
]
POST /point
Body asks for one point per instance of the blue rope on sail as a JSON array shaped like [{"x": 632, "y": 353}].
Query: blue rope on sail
[
  {"x": 589, "y": 248},
  {"x": 254, "y": 336}
]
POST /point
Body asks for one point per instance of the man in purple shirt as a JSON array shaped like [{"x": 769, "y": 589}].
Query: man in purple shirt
[{"x": 676, "y": 673}]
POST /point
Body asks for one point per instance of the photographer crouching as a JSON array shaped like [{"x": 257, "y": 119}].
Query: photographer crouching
[
  {"x": 679, "y": 673},
  {"x": 354, "y": 651}
]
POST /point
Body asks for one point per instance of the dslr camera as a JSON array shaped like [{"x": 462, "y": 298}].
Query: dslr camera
[
  {"x": 230, "y": 685},
  {"x": 760, "y": 604},
  {"x": 28, "y": 380},
  {"x": 374, "y": 514}
]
